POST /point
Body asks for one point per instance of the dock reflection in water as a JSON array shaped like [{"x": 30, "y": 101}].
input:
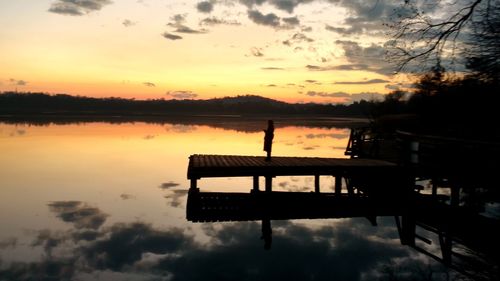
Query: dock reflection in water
[{"x": 433, "y": 224}]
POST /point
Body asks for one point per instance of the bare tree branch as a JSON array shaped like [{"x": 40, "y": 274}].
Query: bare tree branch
[{"x": 420, "y": 35}]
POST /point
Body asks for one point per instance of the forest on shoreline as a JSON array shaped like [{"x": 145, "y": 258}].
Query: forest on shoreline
[{"x": 18, "y": 104}]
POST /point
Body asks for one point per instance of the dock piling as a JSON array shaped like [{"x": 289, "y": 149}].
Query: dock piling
[
  {"x": 269, "y": 183},
  {"x": 316, "y": 183},
  {"x": 255, "y": 183}
]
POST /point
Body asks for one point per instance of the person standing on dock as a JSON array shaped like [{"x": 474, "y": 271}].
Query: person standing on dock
[{"x": 268, "y": 139}]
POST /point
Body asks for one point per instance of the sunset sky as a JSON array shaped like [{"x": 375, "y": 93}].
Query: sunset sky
[{"x": 290, "y": 50}]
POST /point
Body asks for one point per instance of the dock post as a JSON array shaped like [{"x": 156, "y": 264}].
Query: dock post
[
  {"x": 255, "y": 183},
  {"x": 338, "y": 185},
  {"x": 434, "y": 187},
  {"x": 316, "y": 183},
  {"x": 455, "y": 196},
  {"x": 408, "y": 228},
  {"x": 269, "y": 183},
  {"x": 193, "y": 186}
]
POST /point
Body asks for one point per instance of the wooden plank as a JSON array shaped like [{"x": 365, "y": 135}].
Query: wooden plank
[
  {"x": 207, "y": 206},
  {"x": 234, "y": 166}
]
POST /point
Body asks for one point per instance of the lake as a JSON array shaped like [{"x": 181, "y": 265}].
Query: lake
[{"x": 107, "y": 201}]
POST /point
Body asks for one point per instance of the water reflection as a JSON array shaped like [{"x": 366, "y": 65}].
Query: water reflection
[
  {"x": 141, "y": 251},
  {"x": 78, "y": 213},
  {"x": 460, "y": 239},
  {"x": 101, "y": 201}
]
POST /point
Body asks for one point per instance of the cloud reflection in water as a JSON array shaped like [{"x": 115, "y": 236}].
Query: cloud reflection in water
[
  {"x": 78, "y": 213},
  {"x": 141, "y": 251}
]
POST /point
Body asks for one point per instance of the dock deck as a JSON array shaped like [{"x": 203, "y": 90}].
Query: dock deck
[
  {"x": 202, "y": 166},
  {"x": 206, "y": 166}
]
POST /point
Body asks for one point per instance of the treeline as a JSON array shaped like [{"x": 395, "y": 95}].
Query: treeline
[
  {"x": 12, "y": 103},
  {"x": 444, "y": 104}
]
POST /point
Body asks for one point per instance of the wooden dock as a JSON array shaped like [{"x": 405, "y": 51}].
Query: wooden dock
[
  {"x": 374, "y": 188},
  {"x": 355, "y": 171},
  {"x": 238, "y": 206}
]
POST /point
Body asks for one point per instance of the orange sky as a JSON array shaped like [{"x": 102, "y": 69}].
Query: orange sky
[{"x": 291, "y": 50}]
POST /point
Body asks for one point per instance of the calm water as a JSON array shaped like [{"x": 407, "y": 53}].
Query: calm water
[{"x": 100, "y": 201}]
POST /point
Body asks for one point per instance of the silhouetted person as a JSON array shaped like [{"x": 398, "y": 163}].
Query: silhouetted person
[
  {"x": 268, "y": 139},
  {"x": 267, "y": 233}
]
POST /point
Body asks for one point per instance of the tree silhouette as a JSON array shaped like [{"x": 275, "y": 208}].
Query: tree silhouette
[
  {"x": 484, "y": 53},
  {"x": 425, "y": 31}
]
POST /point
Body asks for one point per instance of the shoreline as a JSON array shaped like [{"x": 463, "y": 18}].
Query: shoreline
[{"x": 248, "y": 123}]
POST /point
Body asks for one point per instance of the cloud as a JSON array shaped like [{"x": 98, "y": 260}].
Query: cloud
[
  {"x": 252, "y": 3},
  {"x": 272, "y": 68},
  {"x": 178, "y": 18},
  {"x": 85, "y": 235},
  {"x": 341, "y": 67},
  {"x": 366, "y": 16},
  {"x": 283, "y": 184},
  {"x": 268, "y": 20},
  {"x": 18, "y": 82},
  {"x": 128, "y": 23},
  {"x": 359, "y": 62},
  {"x": 140, "y": 251},
  {"x": 48, "y": 240},
  {"x": 149, "y": 84},
  {"x": 212, "y": 21},
  {"x": 344, "y": 31},
  {"x": 313, "y": 147},
  {"x": 306, "y": 29},
  {"x": 363, "y": 82},
  {"x": 176, "y": 197},
  {"x": 371, "y": 58},
  {"x": 256, "y": 52},
  {"x": 182, "y": 94},
  {"x": 287, "y": 5},
  {"x": 400, "y": 86},
  {"x": 368, "y": 96},
  {"x": 204, "y": 7},
  {"x": 167, "y": 185},
  {"x": 237, "y": 245},
  {"x": 284, "y": 5},
  {"x": 17, "y": 133},
  {"x": 330, "y": 95},
  {"x": 291, "y": 21},
  {"x": 171, "y": 36},
  {"x": 272, "y": 20},
  {"x": 78, "y": 213},
  {"x": 297, "y": 38},
  {"x": 345, "y": 97},
  {"x": 77, "y": 7},
  {"x": 314, "y": 67},
  {"x": 271, "y": 85},
  {"x": 139, "y": 238},
  {"x": 322, "y": 136},
  {"x": 185, "y": 29},
  {"x": 178, "y": 128},
  {"x": 179, "y": 27},
  {"x": 8, "y": 243},
  {"x": 125, "y": 196}
]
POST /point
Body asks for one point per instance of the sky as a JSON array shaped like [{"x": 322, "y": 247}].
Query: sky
[{"x": 324, "y": 51}]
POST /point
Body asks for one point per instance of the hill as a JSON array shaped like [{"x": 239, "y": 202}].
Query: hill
[{"x": 19, "y": 104}]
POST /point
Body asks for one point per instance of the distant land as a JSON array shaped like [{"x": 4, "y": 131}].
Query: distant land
[{"x": 13, "y": 104}]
